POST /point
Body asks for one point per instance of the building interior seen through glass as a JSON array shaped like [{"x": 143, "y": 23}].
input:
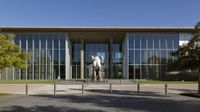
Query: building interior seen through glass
[
  {"x": 48, "y": 55},
  {"x": 97, "y": 49}
]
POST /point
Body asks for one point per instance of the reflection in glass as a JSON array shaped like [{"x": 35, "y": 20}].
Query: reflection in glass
[
  {"x": 76, "y": 49},
  {"x": 137, "y": 71},
  {"x": 131, "y": 56},
  {"x": 144, "y": 72},
  {"x": 137, "y": 41},
  {"x": 131, "y": 42},
  {"x": 144, "y": 56},
  {"x": 44, "y": 58},
  {"x": 137, "y": 56},
  {"x": 131, "y": 71},
  {"x": 151, "y": 59},
  {"x": 144, "y": 41}
]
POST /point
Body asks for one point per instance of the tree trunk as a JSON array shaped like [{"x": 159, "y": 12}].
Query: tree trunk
[{"x": 199, "y": 80}]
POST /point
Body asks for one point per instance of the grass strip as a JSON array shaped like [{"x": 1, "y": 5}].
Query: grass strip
[
  {"x": 27, "y": 81},
  {"x": 163, "y": 82},
  {"x": 4, "y": 94}
]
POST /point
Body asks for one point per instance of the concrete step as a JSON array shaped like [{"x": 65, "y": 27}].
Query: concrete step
[{"x": 105, "y": 81}]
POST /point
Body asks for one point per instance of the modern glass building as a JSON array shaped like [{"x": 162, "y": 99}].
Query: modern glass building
[{"x": 64, "y": 52}]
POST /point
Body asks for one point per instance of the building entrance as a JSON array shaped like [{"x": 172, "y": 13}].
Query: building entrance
[{"x": 96, "y": 49}]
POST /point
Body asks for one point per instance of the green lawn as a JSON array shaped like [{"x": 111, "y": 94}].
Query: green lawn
[
  {"x": 163, "y": 82},
  {"x": 4, "y": 94},
  {"x": 27, "y": 81}
]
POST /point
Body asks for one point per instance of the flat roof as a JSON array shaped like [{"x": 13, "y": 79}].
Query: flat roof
[{"x": 96, "y": 29}]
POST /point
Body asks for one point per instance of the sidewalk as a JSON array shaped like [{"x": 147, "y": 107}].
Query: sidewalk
[{"x": 77, "y": 88}]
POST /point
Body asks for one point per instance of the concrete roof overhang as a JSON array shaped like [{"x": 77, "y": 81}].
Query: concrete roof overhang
[
  {"x": 95, "y": 34},
  {"x": 96, "y": 29}
]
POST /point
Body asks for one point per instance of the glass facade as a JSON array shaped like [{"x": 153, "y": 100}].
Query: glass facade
[
  {"x": 140, "y": 55},
  {"x": 96, "y": 49},
  {"x": 148, "y": 54},
  {"x": 76, "y": 58},
  {"x": 117, "y": 61},
  {"x": 48, "y": 56}
]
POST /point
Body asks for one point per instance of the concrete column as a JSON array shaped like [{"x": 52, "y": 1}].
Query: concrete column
[
  {"x": 110, "y": 58},
  {"x": 68, "y": 74},
  {"x": 82, "y": 58},
  {"x": 125, "y": 58}
]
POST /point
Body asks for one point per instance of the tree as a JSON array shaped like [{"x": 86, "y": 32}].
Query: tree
[
  {"x": 10, "y": 55},
  {"x": 188, "y": 55}
]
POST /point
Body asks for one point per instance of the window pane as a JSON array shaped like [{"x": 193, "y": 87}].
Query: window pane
[
  {"x": 144, "y": 56},
  {"x": 62, "y": 41},
  {"x": 163, "y": 42},
  {"x": 62, "y": 56},
  {"x": 56, "y": 42},
  {"x": 131, "y": 57},
  {"x": 30, "y": 43},
  {"x": 150, "y": 58},
  {"x": 137, "y": 41},
  {"x": 150, "y": 41},
  {"x": 43, "y": 57},
  {"x": 43, "y": 41},
  {"x": 131, "y": 71},
  {"x": 23, "y": 41},
  {"x": 36, "y": 41},
  {"x": 49, "y": 57},
  {"x": 36, "y": 55},
  {"x": 131, "y": 42},
  {"x": 56, "y": 56},
  {"x": 62, "y": 71},
  {"x": 137, "y": 71},
  {"x": 156, "y": 57},
  {"x": 144, "y": 71},
  {"x": 156, "y": 42},
  {"x": 144, "y": 41},
  {"x": 49, "y": 41},
  {"x": 163, "y": 56},
  {"x": 169, "y": 43},
  {"x": 137, "y": 56}
]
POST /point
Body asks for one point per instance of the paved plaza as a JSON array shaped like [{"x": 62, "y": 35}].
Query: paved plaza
[
  {"x": 98, "y": 98},
  {"x": 99, "y": 102}
]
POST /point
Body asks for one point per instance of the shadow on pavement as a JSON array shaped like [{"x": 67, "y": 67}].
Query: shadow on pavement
[
  {"x": 122, "y": 92},
  {"x": 103, "y": 102},
  {"x": 129, "y": 103},
  {"x": 47, "y": 109}
]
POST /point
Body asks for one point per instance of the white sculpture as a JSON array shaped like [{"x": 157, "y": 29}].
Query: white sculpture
[{"x": 97, "y": 62}]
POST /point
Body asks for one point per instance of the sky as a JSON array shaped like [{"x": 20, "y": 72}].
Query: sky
[{"x": 99, "y": 13}]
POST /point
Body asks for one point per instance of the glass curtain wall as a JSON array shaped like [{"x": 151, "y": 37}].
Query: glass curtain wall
[
  {"x": 48, "y": 56},
  {"x": 148, "y": 54},
  {"x": 117, "y": 60},
  {"x": 76, "y": 58},
  {"x": 97, "y": 49}
]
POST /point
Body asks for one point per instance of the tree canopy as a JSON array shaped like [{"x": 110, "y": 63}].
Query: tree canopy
[
  {"x": 10, "y": 53},
  {"x": 188, "y": 55}
]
